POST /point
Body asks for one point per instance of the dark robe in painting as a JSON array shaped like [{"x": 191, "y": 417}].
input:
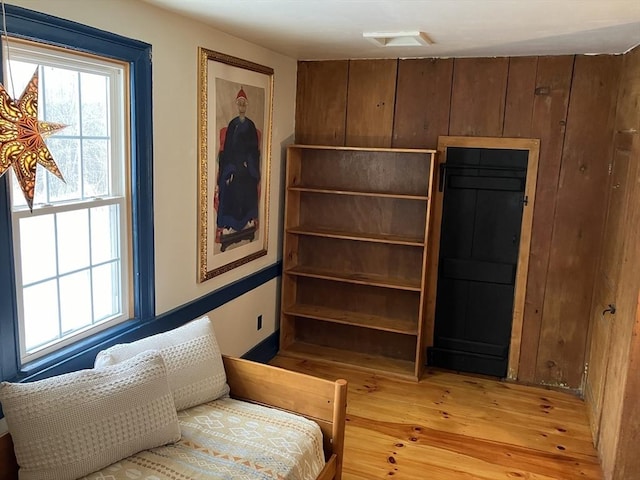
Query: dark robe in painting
[{"x": 239, "y": 175}]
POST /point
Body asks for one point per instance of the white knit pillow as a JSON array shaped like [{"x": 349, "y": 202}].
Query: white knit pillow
[
  {"x": 194, "y": 363},
  {"x": 68, "y": 426}
]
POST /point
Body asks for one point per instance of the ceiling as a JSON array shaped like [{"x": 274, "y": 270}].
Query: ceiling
[{"x": 333, "y": 29}]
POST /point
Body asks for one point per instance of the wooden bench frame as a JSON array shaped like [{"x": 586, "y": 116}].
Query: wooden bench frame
[{"x": 322, "y": 401}]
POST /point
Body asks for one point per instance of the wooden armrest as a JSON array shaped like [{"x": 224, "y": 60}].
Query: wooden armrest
[{"x": 317, "y": 399}]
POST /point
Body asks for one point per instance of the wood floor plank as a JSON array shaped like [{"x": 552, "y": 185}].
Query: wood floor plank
[
  {"x": 399, "y": 445},
  {"x": 548, "y": 440},
  {"x": 458, "y": 427}
]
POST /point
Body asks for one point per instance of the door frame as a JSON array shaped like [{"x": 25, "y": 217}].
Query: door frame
[{"x": 533, "y": 147}]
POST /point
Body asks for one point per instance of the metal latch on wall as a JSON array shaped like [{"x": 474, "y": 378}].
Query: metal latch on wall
[{"x": 611, "y": 308}]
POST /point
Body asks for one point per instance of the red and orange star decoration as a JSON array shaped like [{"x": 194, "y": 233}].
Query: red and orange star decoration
[{"x": 22, "y": 138}]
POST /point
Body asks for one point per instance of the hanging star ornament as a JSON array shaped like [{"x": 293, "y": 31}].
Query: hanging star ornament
[{"x": 22, "y": 138}]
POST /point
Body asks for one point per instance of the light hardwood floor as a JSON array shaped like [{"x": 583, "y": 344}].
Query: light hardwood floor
[{"x": 453, "y": 427}]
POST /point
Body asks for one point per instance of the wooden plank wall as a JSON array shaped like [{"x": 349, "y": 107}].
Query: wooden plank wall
[
  {"x": 548, "y": 123},
  {"x": 551, "y": 98},
  {"x": 322, "y": 89},
  {"x": 620, "y": 422},
  {"x": 580, "y": 212},
  {"x": 370, "y": 102}
]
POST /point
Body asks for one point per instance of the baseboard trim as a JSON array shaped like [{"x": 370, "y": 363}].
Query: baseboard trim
[{"x": 265, "y": 350}]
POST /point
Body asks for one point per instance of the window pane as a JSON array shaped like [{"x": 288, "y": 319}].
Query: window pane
[
  {"x": 40, "y": 194},
  {"x": 73, "y": 240},
  {"x": 96, "y": 167},
  {"x": 21, "y": 73},
  {"x": 66, "y": 153},
  {"x": 94, "y": 91},
  {"x": 106, "y": 291},
  {"x": 75, "y": 301},
  {"x": 61, "y": 97},
  {"x": 105, "y": 234},
  {"x": 71, "y": 246},
  {"x": 37, "y": 248},
  {"x": 40, "y": 313}
]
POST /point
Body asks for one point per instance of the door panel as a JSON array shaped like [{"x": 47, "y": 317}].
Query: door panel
[{"x": 478, "y": 257}]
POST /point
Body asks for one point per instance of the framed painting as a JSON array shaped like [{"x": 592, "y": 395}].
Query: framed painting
[{"x": 235, "y": 100}]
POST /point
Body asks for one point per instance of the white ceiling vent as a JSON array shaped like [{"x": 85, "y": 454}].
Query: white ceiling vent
[{"x": 398, "y": 39}]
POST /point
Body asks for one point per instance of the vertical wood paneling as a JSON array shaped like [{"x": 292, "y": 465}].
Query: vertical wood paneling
[
  {"x": 521, "y": 85},
  {"x": 609, "y": 443},
  {"x": 423, "y": 102},
  {"x": 478, "y": 96},
  {"x": 321, "y": 99},
  {"x": 620, "y": 421},
  {"x": 370, "y": 102},
  {"x": 578, "y": 221},
  {"x": 627, "y": 463},
  {"x": 518, "y": 97},
  {"x": 553, "y": 81},
  {"x": 606, "y": 285}
]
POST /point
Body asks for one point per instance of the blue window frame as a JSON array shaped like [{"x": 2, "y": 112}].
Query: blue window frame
[{"x": 45, "y": 29}]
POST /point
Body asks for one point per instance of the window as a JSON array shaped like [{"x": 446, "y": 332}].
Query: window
[
  {"x": 71, "y": 253},
  {"x": 93, "y": 236}
]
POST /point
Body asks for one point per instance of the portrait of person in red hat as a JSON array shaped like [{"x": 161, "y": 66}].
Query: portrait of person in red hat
[{"x": 238, "y": 182}]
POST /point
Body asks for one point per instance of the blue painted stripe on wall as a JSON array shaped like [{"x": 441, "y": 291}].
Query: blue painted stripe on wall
[
  {"x": 131, "y": 331},
  {"x": 86, "y": 351}
]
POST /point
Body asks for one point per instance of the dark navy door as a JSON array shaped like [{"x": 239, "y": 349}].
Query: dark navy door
[{"x": 480, "y": 237}]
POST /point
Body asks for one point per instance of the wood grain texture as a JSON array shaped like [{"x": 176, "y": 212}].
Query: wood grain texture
[
  {"x": 478, "y": 96},
  {"x": 627, "y": 464},
  {"x": 396, "y": 305},
  {"x": 421, "y": 353},
  {"x": 423, "y": 102},
  {"x": 361, "y": 258},
  {"x": 321, "y": 99},
  {"x": 554, "y": 76},
  {"x": 351, "y": 339},
  {"x": 370, "y": 102},
  {"x": 521, "y": 85},
  {"x": 524, "y": 256},
  {"x": 493, "y": 97},
  {"x": 366, "y": 171},
  {"x": 620, "y": 423},
  {"x": 607, "y": 280},
  {"x": 458, "y": 427},
  {"x": 620, "y": 371},
  {"x": 579, "y": 220},
  {"x": 354, "y": 250}
]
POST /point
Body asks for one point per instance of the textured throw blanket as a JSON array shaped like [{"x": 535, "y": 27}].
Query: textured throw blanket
[{"x": 229, "y": 439}]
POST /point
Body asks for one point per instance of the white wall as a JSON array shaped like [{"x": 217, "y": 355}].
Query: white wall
[{"x": 175, "y": 41}]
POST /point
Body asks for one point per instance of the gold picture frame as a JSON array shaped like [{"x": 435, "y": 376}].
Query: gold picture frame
[{"x": 235, "y": 101}]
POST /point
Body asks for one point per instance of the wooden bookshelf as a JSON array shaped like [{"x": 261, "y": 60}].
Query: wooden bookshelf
[
  {"x": 365, "y": 320},
  {"x": 362, "y": 237},
  {"x": 355, "y": 277},
  {"x": 355, "y": 256},
  {"x": 374, "y": 363}
]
